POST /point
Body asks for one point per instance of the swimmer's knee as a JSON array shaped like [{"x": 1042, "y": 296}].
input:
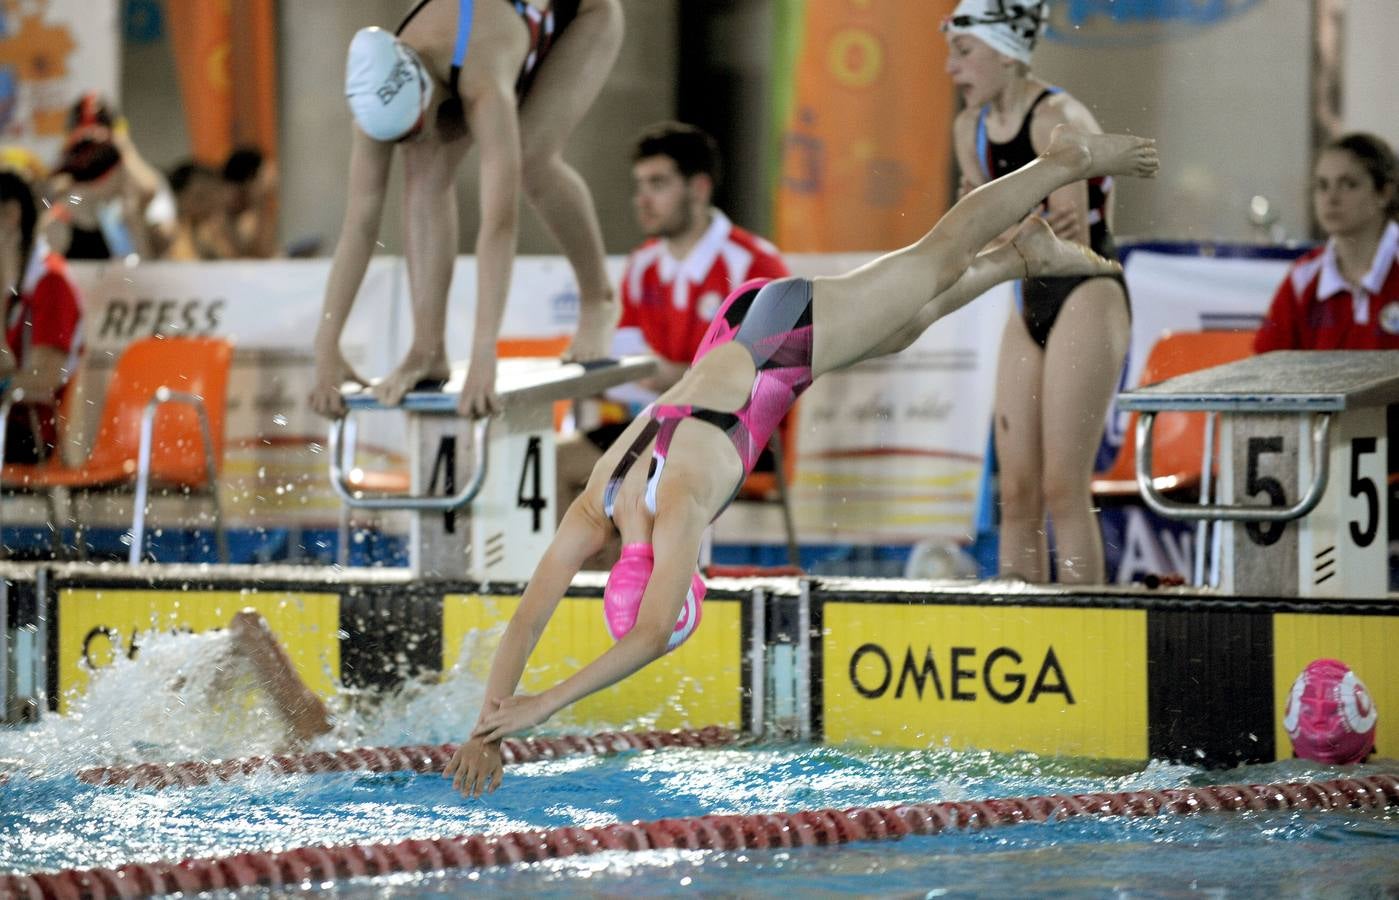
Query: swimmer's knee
[
  {"x": 1066, "y": 495},
  {"x": 541, "y": 171},
  {"x": 1021, "y": 494},
  {"x": 606, "y": 13},
  {"x": 949, "y": 256}
]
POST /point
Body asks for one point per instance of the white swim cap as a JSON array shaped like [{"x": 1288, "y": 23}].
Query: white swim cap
[
  {"x": 386, "y": 85},
  {"x": 1010, "y": 27}
]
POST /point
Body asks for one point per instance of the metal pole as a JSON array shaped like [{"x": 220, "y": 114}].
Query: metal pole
[
  {"x": 1202, "y": 528},
  {"x": 757, "y": 663}
]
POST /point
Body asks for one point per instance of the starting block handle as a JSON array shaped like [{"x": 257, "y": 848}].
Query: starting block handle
[
  {"x": 480, "y": 433},
  {"x": 1321, "y": 468}
]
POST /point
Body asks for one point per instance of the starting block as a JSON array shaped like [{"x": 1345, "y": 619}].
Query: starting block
[
  {"x": 482, "y": 492},
  {"x": 1281, "y": 415}
]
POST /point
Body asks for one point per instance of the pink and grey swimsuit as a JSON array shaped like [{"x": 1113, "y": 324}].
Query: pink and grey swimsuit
[{"x": 773, "y": 320}]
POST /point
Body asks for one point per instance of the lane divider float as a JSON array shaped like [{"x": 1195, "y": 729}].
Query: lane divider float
[
  {"x": 421, "y": 758},
  {"x": 314, "y": 865}
]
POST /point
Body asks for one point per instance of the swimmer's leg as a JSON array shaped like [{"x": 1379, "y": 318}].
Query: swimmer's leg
[
  {"x": 1016, "y": 417},
  {"x": 903, "y": 282},
  {"x": 1032, "y": 250},
  {"x": 1082, "y": 365},
  {"x": 567, "y": 83},
  {"x": 430, "y": 248}
]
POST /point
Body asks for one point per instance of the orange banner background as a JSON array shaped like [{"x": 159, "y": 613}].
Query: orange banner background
[
  {"x": 867, "y": 149},
  {"x": 228, "y": 74}
]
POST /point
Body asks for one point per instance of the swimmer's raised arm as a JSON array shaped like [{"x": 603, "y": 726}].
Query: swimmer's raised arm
[{"x": 368, "y": 181}]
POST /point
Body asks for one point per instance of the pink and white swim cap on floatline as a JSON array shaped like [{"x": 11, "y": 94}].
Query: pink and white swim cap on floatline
[{"x": 1330, "y": 716}]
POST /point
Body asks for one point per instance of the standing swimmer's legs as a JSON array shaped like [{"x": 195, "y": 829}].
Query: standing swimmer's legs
[
  {"x": 903, "y": 282},
  {"x": 567, "y": 83},
  {"x": 1024, "y": 549},
  {"x": 1082, "y": 365}
]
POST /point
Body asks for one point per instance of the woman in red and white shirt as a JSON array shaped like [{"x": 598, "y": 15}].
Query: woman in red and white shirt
[{"x": 1345, "y": 294}]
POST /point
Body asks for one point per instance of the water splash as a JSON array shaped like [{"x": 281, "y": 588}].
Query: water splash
[{"x": 184, "y": 696}]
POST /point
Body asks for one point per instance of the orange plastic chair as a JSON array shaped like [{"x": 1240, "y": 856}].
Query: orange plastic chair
[
  {"x": 162, "y": 427},
  {"x": 1178, "y": 438}
]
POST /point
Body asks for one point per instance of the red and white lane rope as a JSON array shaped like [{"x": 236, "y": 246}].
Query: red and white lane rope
[
  {"x": 424, "y": 758},
  {"x": 803, "y": 829}
]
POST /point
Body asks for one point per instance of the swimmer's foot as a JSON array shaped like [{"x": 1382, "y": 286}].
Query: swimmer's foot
[
  {"x": 597, "y": 320},
  {"x": 1042, "y": 255},
  {"x": 1092, "y": 155},
  {"x": 332, "y": 374},
  {"x": 416, "y": 372}
]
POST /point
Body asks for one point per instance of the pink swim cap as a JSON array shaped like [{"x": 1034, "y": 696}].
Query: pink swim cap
[
  {"x": 1330, "y": 716},
  {"x": 621, "y": 599}
]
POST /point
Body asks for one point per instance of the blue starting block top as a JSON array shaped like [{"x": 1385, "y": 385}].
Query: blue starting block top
[
  {"x": 520, "y": 381},
  {"x": 1287, "y": 381}
]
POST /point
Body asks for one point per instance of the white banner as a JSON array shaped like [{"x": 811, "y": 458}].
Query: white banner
[
  {"x": 892, "y": 450},
  {"x": 51, "y": 51}
]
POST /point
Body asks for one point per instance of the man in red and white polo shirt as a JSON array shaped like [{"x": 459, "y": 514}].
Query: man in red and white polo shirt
[{"x": 674, "y": 283}]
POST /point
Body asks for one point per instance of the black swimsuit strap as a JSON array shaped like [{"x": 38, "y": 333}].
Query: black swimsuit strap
[
  {"x": 629, "y": 458},
  {"x": 417, "y": 8}
]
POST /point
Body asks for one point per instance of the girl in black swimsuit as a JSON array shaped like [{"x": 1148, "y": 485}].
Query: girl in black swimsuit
[{"x": 1062, "y": 351}]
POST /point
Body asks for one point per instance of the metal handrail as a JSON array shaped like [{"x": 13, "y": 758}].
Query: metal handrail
[
  {"x": 162, "y": 396},
  {"x": 352, "y": 497},
  {"x": 1233, "y": 512}
]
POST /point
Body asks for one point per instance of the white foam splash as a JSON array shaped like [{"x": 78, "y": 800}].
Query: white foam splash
[{"x": 183, "y": 697}]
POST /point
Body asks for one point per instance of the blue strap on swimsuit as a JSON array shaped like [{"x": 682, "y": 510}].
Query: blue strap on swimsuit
[
  {"x": 464, "y": 11},
  {"x": 465, "y": 14}
]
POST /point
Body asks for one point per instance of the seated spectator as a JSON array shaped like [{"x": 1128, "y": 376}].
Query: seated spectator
[
  {"x": 42, "y": 329},
  {"x": 1344, "y": 295},
  {"x": 201, "y": 226},
  {"x": 674, "y": 283},
  {"x": 251, "y": 186},
  {"x": 110, "y": 201}
]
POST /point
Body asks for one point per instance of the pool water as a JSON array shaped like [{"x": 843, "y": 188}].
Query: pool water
[{"x": 158, "y": 707}]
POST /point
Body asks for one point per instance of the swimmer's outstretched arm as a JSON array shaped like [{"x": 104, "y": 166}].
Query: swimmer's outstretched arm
[
  {"x": 364, "y": 209},
  {"x": 475, "y": 767}
]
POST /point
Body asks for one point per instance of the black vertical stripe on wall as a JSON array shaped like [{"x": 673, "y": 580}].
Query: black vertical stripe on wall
[
  {"x": 389, "y": 635},
  {"x": 816, "y": 641},
  {"x": 1210, "y": 687}
]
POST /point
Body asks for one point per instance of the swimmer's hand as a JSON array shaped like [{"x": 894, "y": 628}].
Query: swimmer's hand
[
  {"x": 332, "y": 373},
  {"x": 1065, "y": 222},
  {"x": 475, "y": 768},
  {"x": 478, "y": 396},
  {"x": 512, "y": 715}
]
